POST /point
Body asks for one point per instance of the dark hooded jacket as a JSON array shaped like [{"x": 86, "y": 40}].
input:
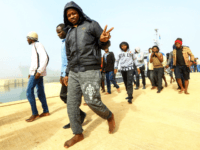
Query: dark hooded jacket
[
  {"x": 83, "y": 46},
  {"x": 108, "y": 64}
]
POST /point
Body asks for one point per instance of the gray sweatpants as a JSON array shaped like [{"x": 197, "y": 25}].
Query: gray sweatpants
[{"x": 88, "y": 83}]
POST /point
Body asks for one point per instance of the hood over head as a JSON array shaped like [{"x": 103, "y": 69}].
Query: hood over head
[
  {"x": 174, "y": 46},
  {"x": 124, "y": 43},
  {"x": 80, "y": 11},
  {"x": 137, "y": 49}
]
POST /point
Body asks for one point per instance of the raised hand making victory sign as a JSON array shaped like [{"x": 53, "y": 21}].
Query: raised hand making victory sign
[{"x": 105, "y": 36}]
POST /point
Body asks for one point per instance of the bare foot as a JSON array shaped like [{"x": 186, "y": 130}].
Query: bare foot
[
  {"x": 171, "y": 81},
  {"x": 154, "y": 87},
  {"x": 103, "y": 90},
  {"x": 85, "y": 104},
  {"x": 186, "y": 92},
  {"x": 111, "y": 124},
  {"x": 107, "y": 93},
  {"x": 45, "y": 114},
  {"x": 77, "y": 138},
  {"x": 32, "y": 118},
  {"x": 166, "y": 85},
  {"x": 118, "y": 90},
  {"x": 182, "y": 90}
]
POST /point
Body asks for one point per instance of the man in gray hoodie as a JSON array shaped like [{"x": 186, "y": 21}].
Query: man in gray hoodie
[
  {"x": 126, "y": 60},
  {"x": 84, "y": 41}
]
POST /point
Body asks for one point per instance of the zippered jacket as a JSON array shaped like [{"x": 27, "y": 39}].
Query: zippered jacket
[
  {"x": 83, "y": 45},
  {"x": 39, "y": 59},
  {"x": 126, "y": 60}
]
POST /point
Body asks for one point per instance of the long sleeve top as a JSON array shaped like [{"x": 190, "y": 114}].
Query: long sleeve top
[
  {"x": 39, "y": 59},
  {"x": 108, "y": 61},
  {"x": 170, "y": 58},
  {"x": 139, "y": 59},
  {"x": 126, "y": 60},
  {"x": 150, "y": 65},
  {"x": 63, "y": 59}
]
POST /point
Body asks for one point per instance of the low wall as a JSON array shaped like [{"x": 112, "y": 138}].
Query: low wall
[{"x": 7, "y": 82}]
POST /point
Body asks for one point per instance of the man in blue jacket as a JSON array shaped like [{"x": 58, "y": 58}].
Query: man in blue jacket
[
  {"x": 63, "y": 93},
  {"x": 84, "y": 41}
]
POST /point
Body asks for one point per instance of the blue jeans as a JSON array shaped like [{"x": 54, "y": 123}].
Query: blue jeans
[
  {"x": 110, "y": 78},
  {"x": 198, "y": 68},
  {"x": 38, "y": 83},
  {"x": 192, "y": 68}
]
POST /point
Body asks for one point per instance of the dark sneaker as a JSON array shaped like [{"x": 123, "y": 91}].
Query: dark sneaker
[
  {"x": 130, "y": 101},
  {"x": 67, "y": 126}
]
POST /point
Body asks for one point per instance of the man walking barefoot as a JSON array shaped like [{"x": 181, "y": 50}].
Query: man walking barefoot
[
  {"x": 84, "y": 42},
  {"x": 182, "y": 63}
]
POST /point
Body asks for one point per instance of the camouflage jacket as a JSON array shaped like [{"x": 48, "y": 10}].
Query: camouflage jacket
[{"x": 186, "y": 53}]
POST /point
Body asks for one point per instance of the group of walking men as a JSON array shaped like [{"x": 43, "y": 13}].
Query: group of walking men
[{"x": 82, "y": 41}]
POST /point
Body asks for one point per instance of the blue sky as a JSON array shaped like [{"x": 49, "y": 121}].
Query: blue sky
[{"x": 134, "y": 22}]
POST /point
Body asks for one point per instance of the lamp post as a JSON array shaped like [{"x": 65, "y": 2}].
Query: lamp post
[{"x": 156, "y": 40}]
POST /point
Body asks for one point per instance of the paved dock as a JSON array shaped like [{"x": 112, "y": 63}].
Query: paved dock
[{"x": 165, "y": 121}]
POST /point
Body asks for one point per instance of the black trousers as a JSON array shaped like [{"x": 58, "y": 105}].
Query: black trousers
[
  {"x": 182, "y": 78},
  {"x": 142, "y": 69},
  {"x": 150, "y": 75},
  {"x": 63, "y": 94},
  {"x": 134, "y": 73},
  {"x": 63, "y": 97},
  {"x": 195, "y": 68},
  {"x": 128, "y": 81},
  {"x": 158, "y": 74}
]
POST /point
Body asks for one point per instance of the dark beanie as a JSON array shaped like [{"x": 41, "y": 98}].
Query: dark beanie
[{"x": 180, "y": 39}]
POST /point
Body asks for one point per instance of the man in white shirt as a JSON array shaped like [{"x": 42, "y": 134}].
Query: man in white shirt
[
  {"x": 39, "y": 62},
  {"x": 139, "y": 68}
]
